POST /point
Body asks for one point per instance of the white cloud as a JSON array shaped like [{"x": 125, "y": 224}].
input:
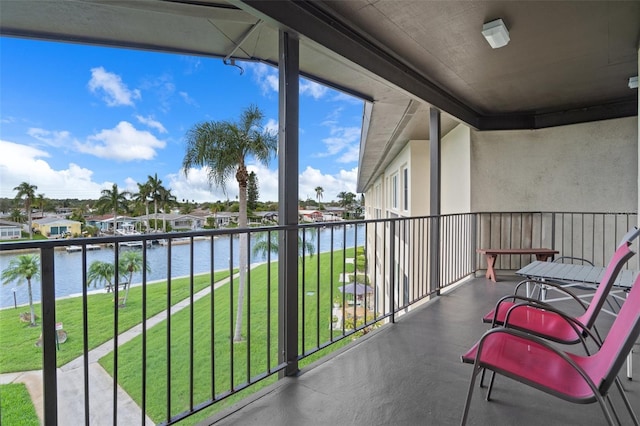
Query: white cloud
[
  {"x": 22, "y": 163},
  {"x": 271, "y": 126},
  {"x": 122, "y": 143},
  {"x": 332, "y": 185},
  {"x": 313, "y": 89},
  {"x": 264, "y": 75},
  {"x": 53, "y": 138},
  {"x": 187, "y": 99},
  {"x": 151, "y": 122},
  {"x": 342, "y": 140},
  {"x": 114, "y": 91},
  {"x": 267, "y": 79},
  {"x": 196, "y": 185}
]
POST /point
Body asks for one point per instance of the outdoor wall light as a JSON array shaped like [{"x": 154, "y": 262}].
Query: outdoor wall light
[
  {"x": 496, "y": 33},
  {"x": 633, "y": 82}
]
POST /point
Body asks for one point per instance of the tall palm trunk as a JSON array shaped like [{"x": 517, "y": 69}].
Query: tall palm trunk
[
  {"x": 31, "y": 310},
  {"x": 155, "y": 215},
  {"x": 242, "y": 224},
  {"x": 146, "y": 206},
  {"x": 126, "y": 291},
  {"x": 27, "y": 207}
]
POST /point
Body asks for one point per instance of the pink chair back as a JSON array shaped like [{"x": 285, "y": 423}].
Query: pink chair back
[
  {"x": 620, "y": 340},
  {"x": 619, "y": 258}
]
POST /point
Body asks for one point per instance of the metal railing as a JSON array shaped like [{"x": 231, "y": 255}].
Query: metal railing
[{"x": 353, "y": 276}]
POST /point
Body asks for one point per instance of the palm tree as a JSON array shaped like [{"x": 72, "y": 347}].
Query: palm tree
[
  {"x": 269, "y": 242},
  {"x": 101, "y": 272},
  {"x": 223, "y": 147},
  {"x": 142, "y": 196},
  {"x": 28, "y": 192},
  {"x": 155, "y": 188},
  {"x": 319, "y": 190},
  {"x": 346, "y": 199},
  {"x": 24, "y": 267},
  {"x": 130, "y": 262},
  {"x": 16, "y": 216},
  {"x": 115, "y": 200},
  {"x": 41, "y": 204},
  {"x": 167, "y": 200}
]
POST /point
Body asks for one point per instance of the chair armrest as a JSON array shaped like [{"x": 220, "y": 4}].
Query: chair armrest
[
  {"x": 513, "y": 298},
  {"x": 580, "y": 259}
]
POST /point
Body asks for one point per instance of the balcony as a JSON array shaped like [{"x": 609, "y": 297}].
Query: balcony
[
  {"x": 168, "y": 356},
  {"x": 409, "y": 373}
]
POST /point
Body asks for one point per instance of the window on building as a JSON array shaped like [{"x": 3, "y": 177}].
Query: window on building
[
  {"x": 394, "y": 191},
  {"x": 405, "y": 188}
]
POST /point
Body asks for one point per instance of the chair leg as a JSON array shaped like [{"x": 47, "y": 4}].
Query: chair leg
[
  {"x": 493, "y": 378},
  {"x": 605, "y": 410},
  {"x": 627, "y": 403},
  {"x": 613, "y": 409},
  {"x": 472, "y": 384},
  {"x": 482, "y": 378}
]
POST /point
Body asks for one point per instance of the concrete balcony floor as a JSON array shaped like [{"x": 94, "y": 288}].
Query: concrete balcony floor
[{"x": 410, "y": 373}]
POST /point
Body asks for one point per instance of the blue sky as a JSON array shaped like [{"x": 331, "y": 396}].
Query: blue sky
[{"x": 75, "y": 119}]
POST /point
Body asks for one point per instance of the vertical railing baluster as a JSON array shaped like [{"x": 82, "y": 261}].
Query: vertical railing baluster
[
  {"x": 212, "y": 285},
  {"x": 303, "y": 299},
  {"x": 191, "y": 322},
  {"x": 85, "y": 336},
  {"x": 144, "y": 333},
  {"x": 269, "y": 301},
  {"x": 231, "y": 307},
  {"x": 116, "y": 307},
  {"x": 49, "y": 368},
  {"x": 392, "y": 262},
  {"x": 169, "y": 246},
  {"x": 248, "y": 304},
  {"x": 318, "y": 318}
]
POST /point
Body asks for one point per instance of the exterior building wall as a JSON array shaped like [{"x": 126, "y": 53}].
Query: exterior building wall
[
  {"x": 401, "y": 191},
  {"x": 582, "y": 167},
  {"x": 455, "y": 173}
]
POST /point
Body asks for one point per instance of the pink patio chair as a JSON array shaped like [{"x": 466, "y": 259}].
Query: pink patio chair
[
  {"x": 539, "y": 363},
  {"x": 540, "y": 318}
]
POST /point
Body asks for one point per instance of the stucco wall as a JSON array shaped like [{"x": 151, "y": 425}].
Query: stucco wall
[
  {"x": 455, "y": 175},
  {"x": 582, "y": 167}
]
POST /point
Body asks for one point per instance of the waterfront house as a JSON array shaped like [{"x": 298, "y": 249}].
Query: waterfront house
[
  {"x": 10, "y": 230},
  {"x": 104, "y": 222},
  {"x": 55, "y": 227}
]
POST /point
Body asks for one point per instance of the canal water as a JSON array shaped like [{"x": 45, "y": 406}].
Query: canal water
[{"x": 68, "y": 266}]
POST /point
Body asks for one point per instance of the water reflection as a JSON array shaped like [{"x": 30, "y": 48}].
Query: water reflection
[{"x": 68, "y": 266}]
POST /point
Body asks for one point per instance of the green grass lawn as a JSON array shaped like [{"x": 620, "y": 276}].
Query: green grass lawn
[
  {"x": 218, "y": 364},
  {"x": 17, "y": 339},
  {"x": 16, "y": 407}
]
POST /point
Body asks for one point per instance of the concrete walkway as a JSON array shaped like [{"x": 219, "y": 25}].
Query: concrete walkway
[{"x": 70, "y": 380}]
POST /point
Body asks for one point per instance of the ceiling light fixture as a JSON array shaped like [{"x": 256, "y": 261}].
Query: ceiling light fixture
[
  {"x": 496, "y": 33},
  {"x": 633, "y": 82}
]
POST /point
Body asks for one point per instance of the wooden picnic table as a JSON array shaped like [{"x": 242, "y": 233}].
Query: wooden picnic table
[{"x": 541, "y": 254}]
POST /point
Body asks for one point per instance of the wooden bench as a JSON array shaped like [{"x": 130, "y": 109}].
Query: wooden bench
[{"x": 542, "y": 254}]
